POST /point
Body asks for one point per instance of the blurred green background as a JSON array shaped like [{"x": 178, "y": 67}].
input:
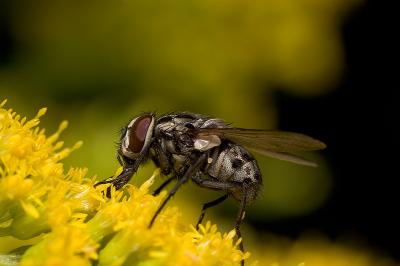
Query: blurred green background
[{"x": 99, "y": 63}]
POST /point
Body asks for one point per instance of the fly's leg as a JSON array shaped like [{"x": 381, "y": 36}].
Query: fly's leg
[
  {"x": 129, "y": 168},
  {"x": 238, "y": 222},
  {"x": 160, "y": 159},
  {"x": 170, "y": 194},
  {"x": 163, "y": 185},
  {"x": 228, "y": 186},
  {"x": 120, "y": 160},
  {"x": 215, "y": 184},
  {"x": 209, "y": 205},
  {"x": 119, "y": 181},
  {"x": 189, "y": 172}
]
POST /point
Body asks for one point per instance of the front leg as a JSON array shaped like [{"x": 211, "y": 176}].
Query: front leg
[
  {"x": 129, "y": 168},
  {"x": 119, "y": 181}
]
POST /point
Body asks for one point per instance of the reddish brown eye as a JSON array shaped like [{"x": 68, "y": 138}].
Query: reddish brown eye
[{"x": 138, "y": 132}]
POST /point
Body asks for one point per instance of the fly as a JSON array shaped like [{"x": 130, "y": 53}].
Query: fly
[{"x": 208, "y": 151}]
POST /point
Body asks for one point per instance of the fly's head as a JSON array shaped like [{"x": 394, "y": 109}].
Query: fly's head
[{"x": 136, "y": 139}]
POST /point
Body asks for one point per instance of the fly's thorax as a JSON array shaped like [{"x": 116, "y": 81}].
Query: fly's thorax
[
  {"x": 173, "y": 133},
  {"x": 178, "y": 143},
  {"x": 179, "y": 161}
]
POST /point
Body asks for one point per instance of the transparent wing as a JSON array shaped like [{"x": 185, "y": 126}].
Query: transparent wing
[{"x": 277, "y": 144}]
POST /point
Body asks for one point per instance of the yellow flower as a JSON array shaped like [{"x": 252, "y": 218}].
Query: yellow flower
[
  {"x": 53, "y": 217},
  {"x": 65, "y": 245},
  {"x": 64, "y": 220}
]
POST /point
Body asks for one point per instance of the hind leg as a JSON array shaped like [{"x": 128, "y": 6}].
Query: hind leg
[{"x": 209, "y": 205}]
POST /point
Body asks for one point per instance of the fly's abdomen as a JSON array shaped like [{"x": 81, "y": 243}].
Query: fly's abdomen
[{"x": 234, "y": 163}]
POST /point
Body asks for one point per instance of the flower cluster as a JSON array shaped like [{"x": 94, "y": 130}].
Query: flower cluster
[{"x": 49, "y": 216}]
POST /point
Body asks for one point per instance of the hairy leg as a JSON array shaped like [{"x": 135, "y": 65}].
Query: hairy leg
[
  {"x": 189, "y": 172},
  {"x": 238, "y": 222},
  {"x": 209, "y": 205},
  {"x": 163, "y": 185}
]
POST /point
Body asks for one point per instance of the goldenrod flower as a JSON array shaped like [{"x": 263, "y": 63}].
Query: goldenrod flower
[
  {"x": 53, "y": 217},
  {"x": 64, "y": 220}
]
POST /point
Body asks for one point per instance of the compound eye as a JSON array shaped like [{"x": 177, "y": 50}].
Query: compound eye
[{"x": 137, "y": 133}]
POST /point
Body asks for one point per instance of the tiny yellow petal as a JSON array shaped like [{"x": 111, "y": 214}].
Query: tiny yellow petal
[
  {"x": 157, "y": 254},
  {"x": 6, "y": 223},
  {"x": 146, "y": 185},
  {"x": 30, "y": 209},
  {"x": 63, "y": 125},
  {"x": 41, "y": 112},
  {"x": 3, "y": 103},
  {"x": 231, "y": 234},
  {"x": 77, "y": 145}
]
